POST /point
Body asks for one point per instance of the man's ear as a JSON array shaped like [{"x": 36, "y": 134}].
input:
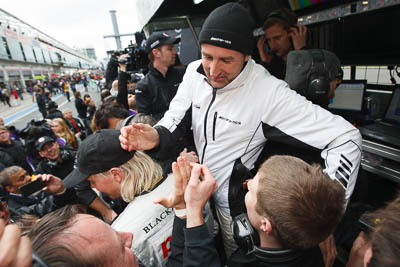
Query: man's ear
[
  {"x": 117, "y": 174},
  {"x": 266, "y": 225},
  {"x": 155, "y": 52},
  {"x": 368, "y": 256}
]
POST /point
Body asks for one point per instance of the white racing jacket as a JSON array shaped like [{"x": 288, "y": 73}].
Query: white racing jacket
[
  {"x": 235, "y": 121},
  {"x": 150, "y": 224}
]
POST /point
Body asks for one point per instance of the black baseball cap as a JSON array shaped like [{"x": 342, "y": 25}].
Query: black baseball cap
[
  {"x": 98, "y": 153},
  {"x": 42, "y": 141},
  {"x": 160, "y": 38}
]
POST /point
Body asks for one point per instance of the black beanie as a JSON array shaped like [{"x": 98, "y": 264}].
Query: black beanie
[{"x": 229, "y": 26}]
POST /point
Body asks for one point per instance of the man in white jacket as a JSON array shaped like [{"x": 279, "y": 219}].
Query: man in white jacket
[{"x": 236, "y": 106}]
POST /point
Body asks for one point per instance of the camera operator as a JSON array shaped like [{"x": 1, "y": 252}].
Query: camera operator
[
  {"x": 282, "y": 35},
  {"x": 159, "y": 86}
]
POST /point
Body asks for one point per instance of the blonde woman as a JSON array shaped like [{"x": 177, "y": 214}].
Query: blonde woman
[
  {"x": 61, "y": 130},
  {"x": 139, "y": 180}
]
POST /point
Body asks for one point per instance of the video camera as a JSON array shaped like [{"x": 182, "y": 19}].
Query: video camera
[{"x": 137, "y": 60}]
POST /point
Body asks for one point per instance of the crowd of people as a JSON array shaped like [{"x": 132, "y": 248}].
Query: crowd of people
[{"x": 213, "y": 164}]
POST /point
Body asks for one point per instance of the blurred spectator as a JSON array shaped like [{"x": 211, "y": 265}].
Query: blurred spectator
[
  {"x": 53, "y": 111},
  {"x": 40, "y": 101},
  {"x": 91, "y": 107},
  {"x": 378, "y": 244},
  {"x": 14, "y": 148},
  {"x": 42, "y": 203},
  {"x": 108, "y": 116},
  {"x": 74, "y": 124},
  {"x": 60, "y": 129}
]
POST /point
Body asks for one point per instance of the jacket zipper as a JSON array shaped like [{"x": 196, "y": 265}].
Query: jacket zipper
[
  {"x": 205, "y": 124},
  {"x": 214, "y": 123}
]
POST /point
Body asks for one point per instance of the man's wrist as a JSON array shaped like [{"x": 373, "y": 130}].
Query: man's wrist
[{"x": 194, "y": 217}]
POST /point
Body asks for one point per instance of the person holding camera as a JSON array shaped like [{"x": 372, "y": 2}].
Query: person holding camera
[
  {"x": 282, "y": 35},
  {"x": 53, "y": 195},
  {"x": 156, "y": 90}
]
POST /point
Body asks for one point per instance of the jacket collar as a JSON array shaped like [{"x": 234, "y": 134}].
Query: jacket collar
[
  {"x": 273, "y": 255},
  {"x": 157, "y": 72},
  {"x": 238, "y": 82}
]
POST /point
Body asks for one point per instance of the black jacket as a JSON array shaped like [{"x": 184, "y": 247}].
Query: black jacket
[
  {"x": 18, "y": 152},
  {"x": 154, "y": 92},
  {"x": 122, "y": 96},
  {"x": 40, "y": 102},
  {"x": 40, "y": 204},
  {"x": 81, "y": 108},
  {"x": 198, "y": 250},
  {"x": 54, "y": 113},
  {"x": 59, "y": 168}
]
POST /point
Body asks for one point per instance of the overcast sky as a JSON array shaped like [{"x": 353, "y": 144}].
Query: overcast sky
[{"x": 78, "y": 23}]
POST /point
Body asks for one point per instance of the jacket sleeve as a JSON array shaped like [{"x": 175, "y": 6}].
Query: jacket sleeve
[
  {"x": 122, "y": 96},
  {"x": 296, "y": 121},
  {"x": 177, "y": 243},
  {"x": 199, "y": 248},
  {"x": 172, "y": 125},
  {"x": 144, "y": 97},
  {"x": 49, "y": 203}
]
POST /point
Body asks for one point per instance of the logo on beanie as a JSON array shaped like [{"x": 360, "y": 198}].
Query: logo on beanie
[{"x": 220, "y": 40}]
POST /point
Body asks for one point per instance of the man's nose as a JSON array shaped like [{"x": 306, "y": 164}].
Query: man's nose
[
  {"x": 272, "y": 44},
  {"x": 214, "y": 68}
]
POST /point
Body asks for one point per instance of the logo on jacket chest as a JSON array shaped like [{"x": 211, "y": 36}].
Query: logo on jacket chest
[{"x": 229, "y": 120}]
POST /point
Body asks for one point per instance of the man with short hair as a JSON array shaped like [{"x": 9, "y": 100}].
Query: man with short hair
[
  {"x": 13, "y": 177},
  {"x": 291, "y": 207},
  {"x": 74, "y": 124},
  {"x": 56, "y": 160},
  {"x": 282, "y": 35},
  {"x": 70, "y": 238},
  {"x": 156, "y": 90},
  {"x": 236, "y": 107},
  {"x": 15, "y": 149}
]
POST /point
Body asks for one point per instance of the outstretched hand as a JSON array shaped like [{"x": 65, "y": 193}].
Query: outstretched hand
[
  {"x": 181, "y": 171},
  {"x": 139, "y": 136},
  {"x": 53, "y": 184}
]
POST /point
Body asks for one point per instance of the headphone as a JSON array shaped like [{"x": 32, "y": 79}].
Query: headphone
[
  {"x": 283, "y": 15},
  {"x": 318, "y": 77},
  {"x": 244, "y": 233}
]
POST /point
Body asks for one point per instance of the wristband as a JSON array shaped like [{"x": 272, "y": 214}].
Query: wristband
[{"x": 180, "y": 212}]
